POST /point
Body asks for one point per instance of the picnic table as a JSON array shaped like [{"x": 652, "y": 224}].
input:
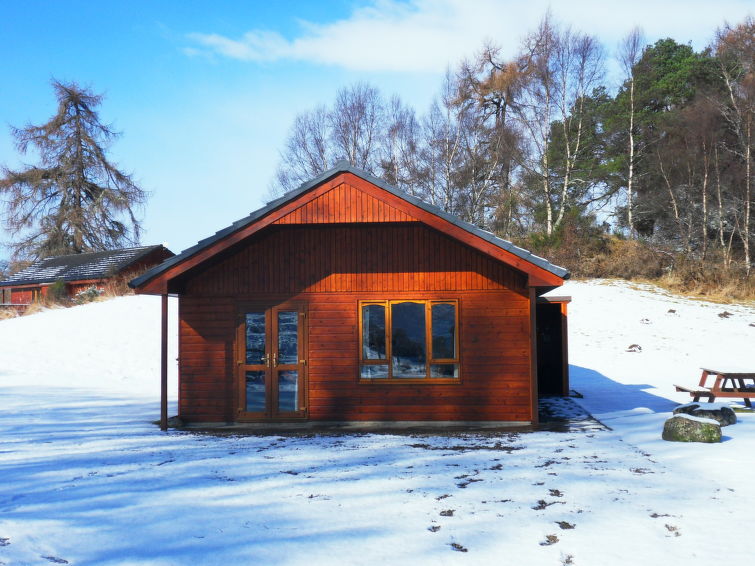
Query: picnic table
[{"x": 723, "y": 384}]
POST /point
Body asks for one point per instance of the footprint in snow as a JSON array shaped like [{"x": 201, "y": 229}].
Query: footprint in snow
[
  {"x": 549, "y": 540},
  {"x": 457, "y": 547}
]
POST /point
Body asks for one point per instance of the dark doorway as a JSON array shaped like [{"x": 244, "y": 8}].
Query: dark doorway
[{"x": 552, "y": 347}]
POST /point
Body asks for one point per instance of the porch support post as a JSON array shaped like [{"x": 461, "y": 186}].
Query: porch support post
[
  {"x": 164, "y": 364},
  {"x": 534, "y": 393}
]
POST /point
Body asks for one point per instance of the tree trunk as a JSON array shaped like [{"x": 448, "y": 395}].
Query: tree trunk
[
  {"x": 630, "y": 175},
  {"x": 748, "y": 195},
  {"x": 704, "y": 231},
  {"x": 674, "y": 203},
  {"x": 725, "y": 250}
]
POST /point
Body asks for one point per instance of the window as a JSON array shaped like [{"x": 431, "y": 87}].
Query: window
[{"x": 409, "y": 340}]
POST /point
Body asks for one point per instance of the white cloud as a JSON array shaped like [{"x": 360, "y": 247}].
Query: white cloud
[
  {"x": 257, "y": 45},
  {"x": 429, "y": 35}
]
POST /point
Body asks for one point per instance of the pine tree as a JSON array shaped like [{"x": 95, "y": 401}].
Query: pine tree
[{"x": 75, "y": 200}]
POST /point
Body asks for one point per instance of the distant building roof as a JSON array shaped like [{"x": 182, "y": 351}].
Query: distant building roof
[{"x": 74, "y": 267}]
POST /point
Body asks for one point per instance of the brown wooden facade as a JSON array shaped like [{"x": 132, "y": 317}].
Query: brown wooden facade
[{"x": 341, "y": 243}]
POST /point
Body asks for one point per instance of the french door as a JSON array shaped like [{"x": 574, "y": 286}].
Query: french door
[{"x": 272, "y": 363}]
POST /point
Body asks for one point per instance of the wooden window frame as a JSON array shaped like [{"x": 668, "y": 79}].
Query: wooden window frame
[{"x": 429, "y": 361}]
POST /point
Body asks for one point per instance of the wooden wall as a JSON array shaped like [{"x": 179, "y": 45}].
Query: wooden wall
[
  {"x": 355, "y": 257},
  {"x": 23, "y": 295},
  {"x": 332, "y": 268},
  {"x": 343, "y": 204}
]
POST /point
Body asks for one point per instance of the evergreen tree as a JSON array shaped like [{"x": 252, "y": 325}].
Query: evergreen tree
[{"x": 75, "y": 200}]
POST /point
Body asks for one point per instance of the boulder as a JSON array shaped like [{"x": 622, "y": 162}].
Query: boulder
[
  {"x": 723, "y": 414},
  {"x": 686, "y": 428}
]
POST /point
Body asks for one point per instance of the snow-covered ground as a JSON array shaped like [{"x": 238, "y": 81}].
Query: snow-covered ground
[{"x": 86, "y": 479}]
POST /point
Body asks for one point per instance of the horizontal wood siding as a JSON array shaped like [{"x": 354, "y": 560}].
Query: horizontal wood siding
[
  {"x": 333, "y": 259},
  {"x": 332, "y": 268},
  {"x": 495, "y": 363},
  {"x": 343, "y": 204}
]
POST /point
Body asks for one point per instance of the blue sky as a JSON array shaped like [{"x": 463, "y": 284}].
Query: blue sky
[{"x": 205, "y": 92}]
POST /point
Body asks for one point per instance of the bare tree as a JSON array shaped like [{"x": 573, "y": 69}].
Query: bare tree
[
  {"x": 493, "y": 85},
  {"x": 441, "y": 153},
  {"x": 400, "y": 163},
  {"x": 579, "y": 70},
  {"x": 75, "y": 200},
  {"x": 536, "y": 109},
  {"x": 630, "y": 50},
  {"x": 357, "y": 120},
  {"x": 735, "y": 51},
  {"x": 307, "y": 152},
  {"x": 560, "y": 68},
  {"x": 354, "y": 128}
]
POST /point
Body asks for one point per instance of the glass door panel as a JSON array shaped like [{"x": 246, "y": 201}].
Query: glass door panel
[
  {"x": 288, "y": 391},
  {"x": 286, "y": 360},
  {"x": 288, "y": 337},
  {"x": 255, "y": 391},
  {"x": 256, "y": 338},
  {"x": 271, "y": 364},
  {"x": 254, "y": 387}
]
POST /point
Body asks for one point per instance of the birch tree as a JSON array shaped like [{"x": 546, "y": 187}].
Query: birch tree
[
  {"x": 629, "y": 52},
  {"x": 735, "y": 53},
  {"x": 560, "y": 68}
]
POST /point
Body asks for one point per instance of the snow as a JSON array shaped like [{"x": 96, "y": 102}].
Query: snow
[
  {"x": 85, "y": 478},
  {"x": 696, "y": 419}
]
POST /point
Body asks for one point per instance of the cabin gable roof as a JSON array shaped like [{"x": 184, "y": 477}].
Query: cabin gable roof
[{"x": 347, "y": 194}]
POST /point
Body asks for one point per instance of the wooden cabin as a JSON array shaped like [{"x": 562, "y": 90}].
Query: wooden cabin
[
  {"x": 349, "y": 300},
  {"x": 78, "y": 272}
]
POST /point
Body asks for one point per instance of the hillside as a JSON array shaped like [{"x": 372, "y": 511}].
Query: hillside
[{"x": 86, "y": 479}]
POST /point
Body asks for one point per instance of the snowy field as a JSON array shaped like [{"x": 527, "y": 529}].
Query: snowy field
[{"x": 86, "y": 479}]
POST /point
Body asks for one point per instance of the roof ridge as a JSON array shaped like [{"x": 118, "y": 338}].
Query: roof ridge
[{"x": 98, "y": 252}]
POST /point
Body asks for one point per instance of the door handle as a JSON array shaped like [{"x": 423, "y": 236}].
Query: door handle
[
  {"x": 266, "y": 359},
  {"x": 275, "y": 360}
]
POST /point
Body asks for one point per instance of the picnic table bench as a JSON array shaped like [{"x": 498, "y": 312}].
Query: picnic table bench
[{"x": 724, "y": 384}]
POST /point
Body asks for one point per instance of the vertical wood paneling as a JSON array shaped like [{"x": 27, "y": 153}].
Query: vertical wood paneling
[
  {"x": 335, "y": 258},
  {"x": 344, "y": 204}
]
